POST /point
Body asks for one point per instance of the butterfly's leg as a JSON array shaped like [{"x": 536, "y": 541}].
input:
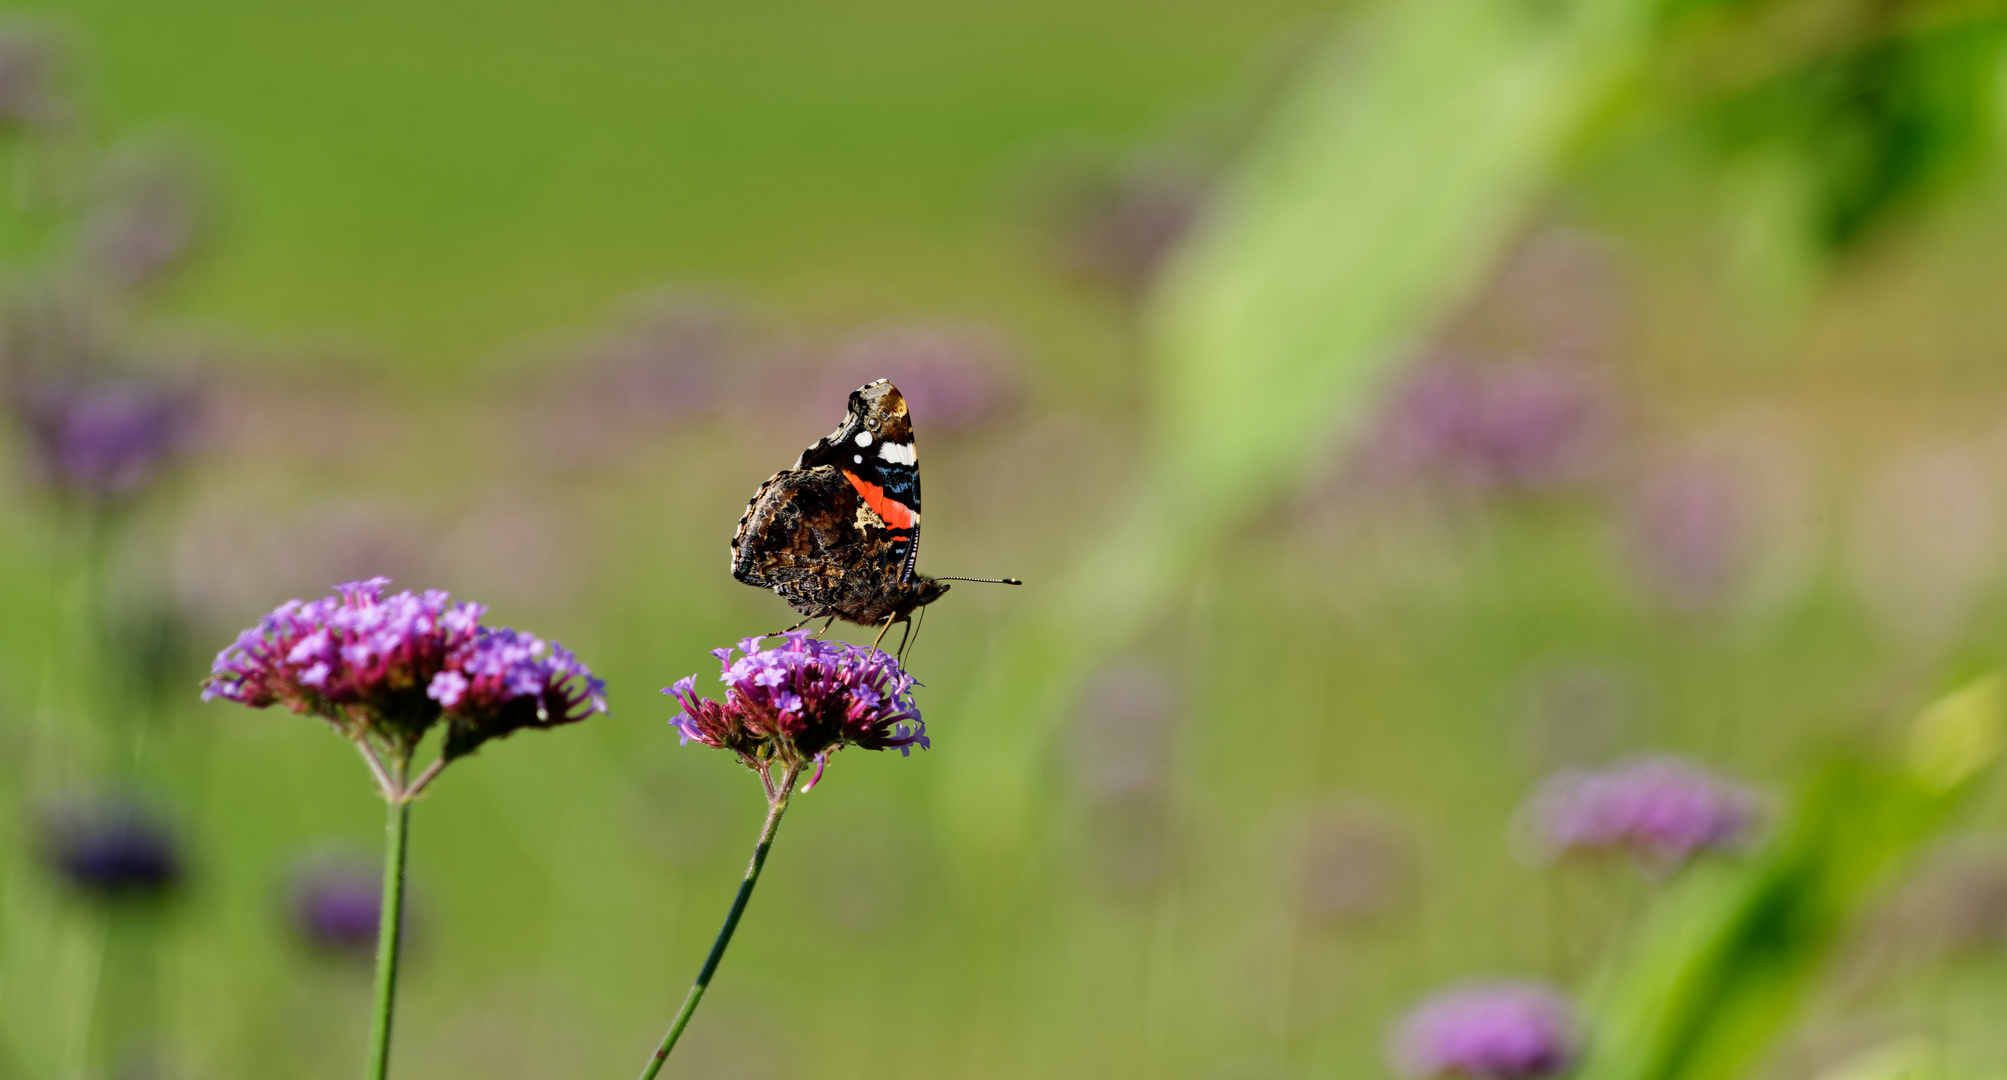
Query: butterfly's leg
[
  {"x": 793, "y": 628},
  {"x": 904, "y": 635},
  {"x": 882, "y": 630},
  {"x": 831, "y": 621}
]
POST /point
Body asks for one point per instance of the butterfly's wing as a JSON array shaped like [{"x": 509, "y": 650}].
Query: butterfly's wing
[
  {"x": 810, "y": 537},
  {"x": 838, "y": 533}
]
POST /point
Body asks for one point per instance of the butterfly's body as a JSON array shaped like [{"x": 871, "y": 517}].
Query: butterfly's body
[{"x": 838, "y": 534}]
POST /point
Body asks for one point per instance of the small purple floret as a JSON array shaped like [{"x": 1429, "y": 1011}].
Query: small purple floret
[
  {"x": 802, "y": 701},
  {"x": 1491, "y": 1031},
  {"x": 1663, "y": 810}
]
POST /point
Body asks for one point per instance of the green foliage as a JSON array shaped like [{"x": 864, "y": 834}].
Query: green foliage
[
  {"x": 1727, "y": 960},
  {"x": 1878, "y": 108}
]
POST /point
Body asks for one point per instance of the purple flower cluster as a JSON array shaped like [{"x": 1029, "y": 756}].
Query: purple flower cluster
[
  {"x": 802, "y": 701},
  {"x": 394, "y": 665},
  {"x": 104, "y": 440},
  {"x": 1662, "y": 810},
  {"x": 505, "y": 679},
  {"x": 1489, "y": 1031}
]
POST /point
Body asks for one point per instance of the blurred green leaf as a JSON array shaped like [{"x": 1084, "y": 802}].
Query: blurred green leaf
[
  {"x": 1878, "y": 107},
  {"x": 1959, "y": 735}
]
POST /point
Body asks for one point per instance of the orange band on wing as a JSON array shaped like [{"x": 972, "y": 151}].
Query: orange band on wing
[{"x": 896, "y": 514}]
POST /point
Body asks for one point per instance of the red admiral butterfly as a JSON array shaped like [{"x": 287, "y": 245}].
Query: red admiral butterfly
[{"x": 836, "y": 535}]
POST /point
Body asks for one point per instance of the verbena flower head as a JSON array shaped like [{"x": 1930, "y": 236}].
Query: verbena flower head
[
  {"x": 391, "y": 666},
  {"x": 1662, "y": 810},
  {"x": 337, "y": 908},
  {"x": 801, "y": 701},
  {"x": 112, "y": 850},
  {"x": 1488, "y": 1031},
  {"x": 104, "y": 440}
]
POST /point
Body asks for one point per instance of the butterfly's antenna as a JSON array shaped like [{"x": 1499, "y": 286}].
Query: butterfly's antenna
[{"x": 988, "y": 580}]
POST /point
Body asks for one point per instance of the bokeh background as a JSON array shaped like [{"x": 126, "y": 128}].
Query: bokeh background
[{"x": 1386, "y": 405}]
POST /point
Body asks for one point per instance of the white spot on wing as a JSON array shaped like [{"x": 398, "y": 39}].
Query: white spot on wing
[
  {"x": 858, "y": 458},
  {"x": 864, "y": 438},
  {"x": 898, "y": 453}
]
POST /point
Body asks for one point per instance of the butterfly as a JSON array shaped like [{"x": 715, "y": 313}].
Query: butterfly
[{"x": 836, "y": 535}]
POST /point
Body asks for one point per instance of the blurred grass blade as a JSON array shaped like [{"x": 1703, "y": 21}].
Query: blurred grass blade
[
  {"x": 1719, "y": 970},
  {"x": 1384, "y": 192}
]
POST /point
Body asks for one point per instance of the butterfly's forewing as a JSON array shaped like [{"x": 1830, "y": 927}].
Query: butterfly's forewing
[{"x": 873, "y": 449}]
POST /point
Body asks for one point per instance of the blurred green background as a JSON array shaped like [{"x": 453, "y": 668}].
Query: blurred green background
[{"x": 1386, "y": 406}]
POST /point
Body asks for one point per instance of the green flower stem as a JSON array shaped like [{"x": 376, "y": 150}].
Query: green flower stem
[
  {"x": 389, "y": 932},
  {"x": 776, "y": 806}
]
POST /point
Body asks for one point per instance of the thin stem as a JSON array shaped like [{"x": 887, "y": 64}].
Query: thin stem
[
  {"x": 376, "y": 769},
  {"x": 424, "y": 778},
  {"x": 389, "y": 931},
  {"x": 776, "y": 806}
]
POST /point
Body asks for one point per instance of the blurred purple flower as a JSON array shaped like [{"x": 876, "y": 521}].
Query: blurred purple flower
[
  {"x": 146, "y": 220},
  {"x": 802, "y": 701},
  {"x": 1565, "y": 292},
  {"x": 105, "y": 440},
  {"x": 1662, "y": 810},
  {"x": 954, "y": 377},
  {"x": 394, "y": 665},
  {"x": 1488, "y": 1031},
  {"x": 112, "y": 849},
  {"x": 1529, "y": 426},
  {"x": 1689, "y": 534},
  {"x": 667, "y": 355},
  {"x": 1124, "y": 733},
  {"x": 1120, "y": 750},
  {"x": 1124, "y": 229},
  {"x": 1573, "y": 710},
  {"x": 28, "y": 68},
  {"x": 338, "y": 908},
  {"x": 1357, "y": 863}
]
